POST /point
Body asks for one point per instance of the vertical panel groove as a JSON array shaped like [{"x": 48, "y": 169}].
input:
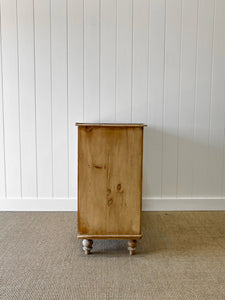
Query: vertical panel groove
[
  {"x": 19, "y": 106},
  {"x": 50, "y": 17},
  {"x": 223, "y": 174},
  {"x": 178, "y": 119},
  {"x": 35, "y": 102},
  {"x": 211, "y": 82},
  {"x": 99, "y": 80},
  {"x": 163, "y": 112},
  {"x": 116, "y": 25},
  {"x": 148, "y": 63},
  {"x": 67, "y": 102},
  {"x": 196, "y": 64},
  {"x": 83, "y": 57},
  {"x": 91, "y": 60},
  {"x": 132, "y": 58},
  {"x": 2, "y": 100}
]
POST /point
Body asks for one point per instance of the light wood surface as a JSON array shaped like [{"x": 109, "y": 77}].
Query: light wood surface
[
  {"x": 112, "y": 124},
  {"x": 109, "y": 181}
]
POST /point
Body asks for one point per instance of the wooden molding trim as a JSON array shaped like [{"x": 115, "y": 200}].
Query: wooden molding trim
[
  {"x": 112, "y": 124},
  {"x": 110, "y": 236}
]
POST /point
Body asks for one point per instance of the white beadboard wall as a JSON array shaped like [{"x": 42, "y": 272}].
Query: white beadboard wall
[{"x": 161, "y": 62}]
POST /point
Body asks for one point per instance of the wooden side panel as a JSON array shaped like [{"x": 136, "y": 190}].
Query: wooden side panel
[{"x": 109, "y": 180}]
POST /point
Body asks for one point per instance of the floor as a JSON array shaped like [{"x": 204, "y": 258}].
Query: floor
[{"x": 181, "y": 256}]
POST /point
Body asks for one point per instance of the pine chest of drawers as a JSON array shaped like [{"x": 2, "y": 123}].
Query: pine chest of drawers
[{"x": 109, "y": 183}]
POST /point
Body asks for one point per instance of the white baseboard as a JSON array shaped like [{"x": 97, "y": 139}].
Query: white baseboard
[
  {"x": 171, "y": 204},
  {"x": 149, "y": 204},
  {"x": 38, "y": 204}
]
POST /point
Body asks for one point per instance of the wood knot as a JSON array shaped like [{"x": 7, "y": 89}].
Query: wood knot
[
  {"x": 110, "y": 202},
  {"x": 119, "y": 187},
  {"x": 97, "y": 167},
  {"x": 89, "y": 128}
]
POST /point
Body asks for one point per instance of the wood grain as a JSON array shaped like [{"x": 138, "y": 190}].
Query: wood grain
[{"x": 109, "y": 181}]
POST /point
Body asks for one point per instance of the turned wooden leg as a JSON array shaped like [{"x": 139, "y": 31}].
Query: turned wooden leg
[
  {"x": 87, "y": 246},
  {"x": 132, "y": 246}
]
